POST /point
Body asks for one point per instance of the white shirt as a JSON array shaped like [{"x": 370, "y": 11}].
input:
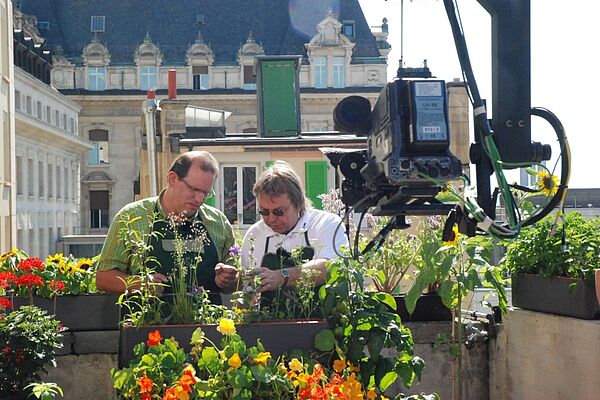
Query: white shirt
[{"x": 322, "y": 227}]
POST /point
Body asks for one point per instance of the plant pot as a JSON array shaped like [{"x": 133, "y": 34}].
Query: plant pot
[
  {"x": 429, "y": 308},
  {"x": 277, "y": 337},
  {"x": 92, "y": 312},
  {"x": 557, "y": 295}
]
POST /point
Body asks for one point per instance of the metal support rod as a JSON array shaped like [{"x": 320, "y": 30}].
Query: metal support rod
[{"x": 149, "y": 107}]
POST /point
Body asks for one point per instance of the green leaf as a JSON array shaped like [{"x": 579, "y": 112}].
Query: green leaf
[
  {"x": 375, "y": 343},
  {"x": 325, "y": 340},
  {"x": 120, "y": 377},
  {"x": 386, "y": 298}
]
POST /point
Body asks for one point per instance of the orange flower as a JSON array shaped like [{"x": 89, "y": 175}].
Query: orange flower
[
  {"x": 339, "y": 365},
  {"x": 235, "y": 362},
  {"x": 146, "y": 396},
  {"x": 188, "y": 379},
  {"x": 154, "y": 338},
  {"x": 181, "y": 393},
  {"x": 170, "y": 395},
  {"x": 145, "y": 383}
]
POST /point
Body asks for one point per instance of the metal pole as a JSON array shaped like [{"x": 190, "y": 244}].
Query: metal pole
[{"x": 149, "y": 107}]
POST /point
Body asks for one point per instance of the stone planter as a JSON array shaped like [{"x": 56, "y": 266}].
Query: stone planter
[
  {"x": 429, "y": 308},
  {"x": 557, "y": 295},
  {"x": 277, "y": 337},
  {"x": 93, "y": 312}
]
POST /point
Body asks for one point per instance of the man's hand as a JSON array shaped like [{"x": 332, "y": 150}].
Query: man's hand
[
  {"x": 269, "y": 279},
  {"x": 226, "y": 277}
]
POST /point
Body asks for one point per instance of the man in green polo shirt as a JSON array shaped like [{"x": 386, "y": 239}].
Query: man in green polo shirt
[{"x": 177, "y": 213}]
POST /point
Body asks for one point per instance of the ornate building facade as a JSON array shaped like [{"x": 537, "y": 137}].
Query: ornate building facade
[
  {"x": 48, "y": 149},
  {"x": 105, "y": 60}
]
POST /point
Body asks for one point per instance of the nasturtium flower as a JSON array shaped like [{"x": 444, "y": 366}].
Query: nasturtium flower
[
  {"x": 181, "y": 393},
  {"x": 235, "y": 362},
  {"x": 145, "y": 383},
  {"x": 146, "y": 396},
  {"x": 154, "y": 338},
  {"x": 188, "y": 378},
  {"x": 226, "y": 327},
  {"x": 354, "y": 368},
  {"x": 262, "y": 357},
  {"x": 353, "y": 388},
  {"x": 295, "y": 365},
  {"x": 371, "y": 394},
  {"x": 339, "y": 365},
  {"x": 547, "y": 183},
  {"x": 453, "y": 238},
  {"x": 170, "y": 395}
]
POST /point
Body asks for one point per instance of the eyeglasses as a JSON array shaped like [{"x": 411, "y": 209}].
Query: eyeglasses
[
  {"x": 206, "y": 195},
  {"x": 278, "y": 212}
]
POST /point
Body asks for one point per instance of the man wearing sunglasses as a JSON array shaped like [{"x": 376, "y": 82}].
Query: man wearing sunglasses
[
  {"x": 289, "y": 224},
  {"x": 204, "y": 231}
]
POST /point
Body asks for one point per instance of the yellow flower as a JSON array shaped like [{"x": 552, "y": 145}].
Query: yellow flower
[
  {"x": 84, "y": 264},
  {"x": 302, "y": 379},
  {"x": 353, "y": 388},
  {"x": 295, "y": 365},
  {"x": 63, "y": 266},
  {"x": 339, "y": 365},
  {"x": 262, "y": 357},
  {"x": 371, "y": 394},
  {"x": 235, "y": 362},
  {"x": 55, "y": 259},
  {"x": 354, "y": 368},
  {"x": 226, "y": 327},
  {"x": 282, "y": 368},
  {"x": 6, "y": 256},
  {"x": 454, "y": 238},
  {"x": 181, "y": 393},
  {"x": 547, "y": 183}
]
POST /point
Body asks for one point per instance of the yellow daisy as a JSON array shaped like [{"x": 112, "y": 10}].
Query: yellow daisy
[
  {"x": 454, "y": 238},
  {"x": 84, "y": 264},
  {"x": 6, "y": 256},
  {"x": 55, "y": 259},
  {"x": 547, "y": 183}
]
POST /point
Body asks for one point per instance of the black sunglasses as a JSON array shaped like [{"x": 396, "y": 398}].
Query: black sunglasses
[{"x": 278, "y": 212}]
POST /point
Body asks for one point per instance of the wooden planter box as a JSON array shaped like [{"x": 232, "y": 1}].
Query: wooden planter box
[
  {"x": 429, "y": 308},
  {"x": 277, "y": 337},
  {"x": 562, "y": 296},
  {"x": 93, "y": 312}
]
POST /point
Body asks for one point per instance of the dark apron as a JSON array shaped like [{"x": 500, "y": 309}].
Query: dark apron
[
  {"x": 279, "y": 260},
  {"x": 163, "y": 251}
]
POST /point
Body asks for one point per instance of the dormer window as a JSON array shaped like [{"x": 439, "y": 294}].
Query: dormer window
[
  {"x": 200, "y": 77},
  {"x": 339, "y": 76},
  {"x": 148, "y": 78},
  {"x": 96, "y": 78},
  {"x": 320, "y": 68},
  {"x": 97, "y": 23},
  {"x": 348, "y": 28}
]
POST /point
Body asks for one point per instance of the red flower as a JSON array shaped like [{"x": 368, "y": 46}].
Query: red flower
[
  {"x": 154, "y": 338},
  {"x": 145, "y": 383},
  {"x": 29, "y": 280},
  {"x": 31, "y": 263},
  {"x": 6, "y": 278},
  {"x": 5, "y": 303},
  {"x": 170, "y": 394},
  {"x": 57, "y": 285},
  {"x": 146, "y": 396}
]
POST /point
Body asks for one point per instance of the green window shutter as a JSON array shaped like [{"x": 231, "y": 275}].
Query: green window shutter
[{"x": 316, "y": 181}]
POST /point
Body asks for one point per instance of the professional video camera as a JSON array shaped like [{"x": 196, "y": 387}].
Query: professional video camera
[{"x": 407, "y": 159}]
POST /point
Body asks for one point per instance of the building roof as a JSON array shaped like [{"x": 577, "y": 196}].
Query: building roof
[{"x": 280, "y": 26}]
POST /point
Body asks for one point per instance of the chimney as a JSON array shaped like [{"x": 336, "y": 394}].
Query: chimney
[{"x": 172, "y": 84}]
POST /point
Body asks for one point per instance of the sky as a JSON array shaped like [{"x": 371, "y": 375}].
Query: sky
[{"x": 564, "y": 62}]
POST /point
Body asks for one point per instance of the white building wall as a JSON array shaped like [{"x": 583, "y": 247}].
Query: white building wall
[
  {"x": 7, "y": 140},
  {"x": 48, "y": 157}
]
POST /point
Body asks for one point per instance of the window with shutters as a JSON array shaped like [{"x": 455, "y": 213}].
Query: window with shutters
[
  {"x": 99, "y": 154},
  {"x": 99, "y": 201},
  {"x": 41, "y": 179},
  {"x": 200, "y": 77},
  {"x": 19, "y": 163},
  {"x": 249, "y": 78},
  {"x": 316, "y": 181},
  {"x": 50, "y": 182},
  {"x": 238, "y": 202}
]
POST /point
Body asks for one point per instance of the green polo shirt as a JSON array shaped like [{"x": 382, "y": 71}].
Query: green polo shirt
[{"x": 142, "y": 214}]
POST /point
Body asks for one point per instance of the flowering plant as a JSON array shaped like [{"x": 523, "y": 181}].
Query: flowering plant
[
  {"x": 29, "y": 338},
  {"x": 22, "y": 275},
  {"x": 232, "y": 370}
]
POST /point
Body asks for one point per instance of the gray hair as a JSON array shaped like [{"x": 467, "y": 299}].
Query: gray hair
[{"x": 281, "y": 179}]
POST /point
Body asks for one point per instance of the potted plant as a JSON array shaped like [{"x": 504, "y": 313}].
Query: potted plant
[
  {"x": 29, "y": 338},
  {"x": 552, "y": 266},
  {"x": 227, "y": 367},
  {"x": 63, "y": 286}
]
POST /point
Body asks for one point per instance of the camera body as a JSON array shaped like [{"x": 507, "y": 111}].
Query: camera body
[{"x": 408, "y": 156}]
